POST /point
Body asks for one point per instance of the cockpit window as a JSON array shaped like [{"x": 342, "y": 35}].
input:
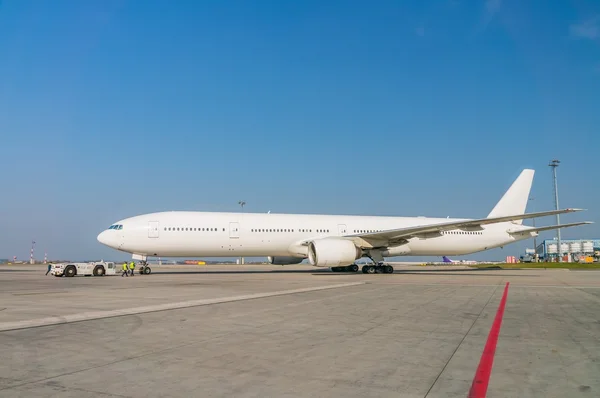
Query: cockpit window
[{"x": 119, "y": 226}]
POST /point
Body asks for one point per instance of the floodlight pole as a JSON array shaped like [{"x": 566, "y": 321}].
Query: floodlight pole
[{"x": 554, "y": 164}]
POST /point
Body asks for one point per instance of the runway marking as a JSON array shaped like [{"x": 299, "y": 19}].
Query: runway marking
[
  {"x": 86, "y": 316},
  {"x": 484, "y": 370}
]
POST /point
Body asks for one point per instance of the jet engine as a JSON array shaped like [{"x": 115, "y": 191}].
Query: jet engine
[
  {"x": 285, "y": 260},
  {"x": 333, "y": 252}
]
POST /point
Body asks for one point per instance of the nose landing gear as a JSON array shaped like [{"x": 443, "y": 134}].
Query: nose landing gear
[{"x": 145, "y": 269}]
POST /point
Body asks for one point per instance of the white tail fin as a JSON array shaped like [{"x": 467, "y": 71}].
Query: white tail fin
[{"x": 515, "y": 199}]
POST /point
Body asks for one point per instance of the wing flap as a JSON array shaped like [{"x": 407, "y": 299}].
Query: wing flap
[{"x": 434, "y": 230}]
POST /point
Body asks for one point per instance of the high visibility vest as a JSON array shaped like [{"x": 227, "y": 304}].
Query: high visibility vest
[
  {"x": 124, "y": 266},
  {"x": 132, "y": 265}
]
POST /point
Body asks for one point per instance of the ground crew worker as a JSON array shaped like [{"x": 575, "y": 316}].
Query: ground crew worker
[
  {"x": 125, "y": 271},
  {"x": 132, "y": 267},
  {"x": 49, "y": 268}
]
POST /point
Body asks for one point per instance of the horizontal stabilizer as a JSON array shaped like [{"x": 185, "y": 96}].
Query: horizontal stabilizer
[{"x": 548, "y": 228}]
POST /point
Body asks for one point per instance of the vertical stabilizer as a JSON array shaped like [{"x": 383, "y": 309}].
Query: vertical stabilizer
[{"x": 515, "y": 199}]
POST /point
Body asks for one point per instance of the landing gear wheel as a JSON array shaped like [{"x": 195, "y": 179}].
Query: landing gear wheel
[
  {"x": 365, "y": 269},
  {"x": 354, "y": 268},
  {"x": 371, "y": 269}
]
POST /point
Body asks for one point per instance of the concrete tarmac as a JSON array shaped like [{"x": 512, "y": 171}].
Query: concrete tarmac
[{"x": 296, "y": 331}]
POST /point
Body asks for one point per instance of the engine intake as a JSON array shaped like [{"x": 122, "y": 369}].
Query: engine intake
[
  {"x": 333, "y": 252},
  {"x": 284, "y": 260}
]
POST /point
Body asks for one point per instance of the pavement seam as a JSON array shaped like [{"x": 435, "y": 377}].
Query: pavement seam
[
  {"x": 82, "y": 317},
  {"x": 132, "y": 357},
  {"x": 462, "y": 340}
]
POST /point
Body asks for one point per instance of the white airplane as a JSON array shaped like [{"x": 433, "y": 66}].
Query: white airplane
[{"x": 334, "y": 241}]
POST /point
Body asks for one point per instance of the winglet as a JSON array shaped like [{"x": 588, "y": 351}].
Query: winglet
[{"x": 514, "y": 201}]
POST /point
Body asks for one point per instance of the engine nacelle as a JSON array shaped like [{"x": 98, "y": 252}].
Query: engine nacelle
[
  {"x": 333, "y": 252},
  {"x": 284, "y": 260}
]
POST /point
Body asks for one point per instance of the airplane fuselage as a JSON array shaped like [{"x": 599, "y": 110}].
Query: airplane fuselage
[{"x": 204, "y": 234}]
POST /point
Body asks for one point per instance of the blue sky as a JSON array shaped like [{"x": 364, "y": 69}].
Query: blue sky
[{"x": 110, "y": 109}]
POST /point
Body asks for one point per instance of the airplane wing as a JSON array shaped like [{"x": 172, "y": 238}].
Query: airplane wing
[
  {"x": 399, "y": 236},
  {"x": 548, "y": 228}
]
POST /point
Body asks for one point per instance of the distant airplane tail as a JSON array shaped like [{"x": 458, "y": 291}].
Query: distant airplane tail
[
  {"x": 446, "y": 259},
  {"x": 514, "y": 201}
]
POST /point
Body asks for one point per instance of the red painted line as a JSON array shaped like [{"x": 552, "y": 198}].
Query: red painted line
[{"x": 484, "y": 370}]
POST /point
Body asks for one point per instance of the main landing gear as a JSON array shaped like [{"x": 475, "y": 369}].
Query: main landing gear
[
  {"x": 380, "y": 268},
  {"x": 145, "y": 269},
  {"x": 348, "y": 268}
]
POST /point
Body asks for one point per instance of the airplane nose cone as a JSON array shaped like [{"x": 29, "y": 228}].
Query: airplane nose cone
[{"x": 103, "y": 238}]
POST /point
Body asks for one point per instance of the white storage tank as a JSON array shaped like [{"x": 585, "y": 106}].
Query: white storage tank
[
  {"x": 588, "y": 246},
  {"x": 575, "y": 247},
  {"x": 552, "y": 248},
  {"x": 564, "y": 248}
]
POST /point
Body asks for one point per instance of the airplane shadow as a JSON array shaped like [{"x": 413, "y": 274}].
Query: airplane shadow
[
  {"x": 449, "y": 272},
  {"x": 289, "y": 271},
  {"x": 431, "y": 274},
  {"x": 326, "y": 272}
]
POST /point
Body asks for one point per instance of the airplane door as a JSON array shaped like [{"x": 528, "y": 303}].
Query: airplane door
[
  {"x": 153, "y": 229},
  {"x": 342, "y": 229},
  {"x": 234, "y": 230}
]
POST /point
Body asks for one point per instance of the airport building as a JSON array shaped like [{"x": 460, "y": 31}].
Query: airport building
[{"x": 548, "y": 249}]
